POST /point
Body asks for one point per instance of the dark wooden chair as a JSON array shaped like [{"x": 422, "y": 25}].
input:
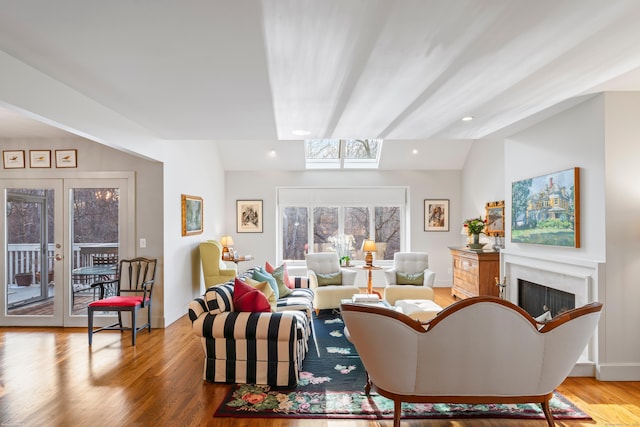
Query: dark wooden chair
[{"x": 133, "y": 288}]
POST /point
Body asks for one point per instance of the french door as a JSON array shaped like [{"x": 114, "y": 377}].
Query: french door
[{"x": 55, "y": 230}]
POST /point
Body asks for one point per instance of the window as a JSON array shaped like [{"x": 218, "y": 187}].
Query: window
[
  {"x": 322, "y": 215},
  {"x": 342, "y": 153}
]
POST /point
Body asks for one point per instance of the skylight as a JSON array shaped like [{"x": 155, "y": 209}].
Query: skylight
[{"x": 342, "y": 153}]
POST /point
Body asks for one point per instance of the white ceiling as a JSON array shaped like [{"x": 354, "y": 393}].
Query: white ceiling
[{"x": 254, "y": 71}]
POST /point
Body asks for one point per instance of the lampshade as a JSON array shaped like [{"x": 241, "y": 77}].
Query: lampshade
[
  {"x": 226, "y": 240},
  {"x": 368, "y": 245}
]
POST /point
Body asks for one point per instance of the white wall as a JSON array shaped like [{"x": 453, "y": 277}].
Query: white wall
[
  {"x": 422, "y": 185},
  {"x": 621, "y": 354},
  {"x": 195, "y": 170},
  {"x": 482, "y": 181},
  {"x": 600, "y": 137}
]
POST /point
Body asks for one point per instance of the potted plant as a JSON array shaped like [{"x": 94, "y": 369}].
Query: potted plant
[
  {"x": 24, "y": 279},
  {"x": 345, "y": 261}
]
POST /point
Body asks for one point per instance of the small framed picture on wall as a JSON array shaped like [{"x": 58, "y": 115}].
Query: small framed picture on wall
[
  {"x": 40, "y": 158},
  {"x": 13, "y": 159},
  {"x": 436, "y": 215},
  {"x": 66, "y": 158}
]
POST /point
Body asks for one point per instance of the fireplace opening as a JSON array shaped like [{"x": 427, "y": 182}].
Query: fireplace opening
[{"x": 536, "y": 299}]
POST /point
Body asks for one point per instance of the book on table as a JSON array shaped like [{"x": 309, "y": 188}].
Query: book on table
[{"x": 365, "y": 298}]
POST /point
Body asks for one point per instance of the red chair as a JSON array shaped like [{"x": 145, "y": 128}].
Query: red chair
[{"x": 130, "y": 291}]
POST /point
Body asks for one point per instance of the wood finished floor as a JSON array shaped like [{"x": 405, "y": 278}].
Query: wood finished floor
[{"x": 50, "y": 377}]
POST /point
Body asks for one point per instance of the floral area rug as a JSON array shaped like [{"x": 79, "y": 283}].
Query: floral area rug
[{"x": 332, "y": 386}]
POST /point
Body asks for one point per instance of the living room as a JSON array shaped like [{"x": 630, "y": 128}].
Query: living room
[{"x": 596, "y": 133}]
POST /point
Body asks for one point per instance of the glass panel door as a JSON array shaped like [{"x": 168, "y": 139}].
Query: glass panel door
[
  {"x": 97, "y": 212},
  {"x": 32, "y": 292},
  {"x": 54, "y": 229}
]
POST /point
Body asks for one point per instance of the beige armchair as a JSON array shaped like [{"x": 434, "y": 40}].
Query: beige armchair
[
  {"x": 215, "y": 271},
  {"x": 409, "y": 264},
  {"x": 478, "y": 350},
  {"x": 329, "y": 282}
]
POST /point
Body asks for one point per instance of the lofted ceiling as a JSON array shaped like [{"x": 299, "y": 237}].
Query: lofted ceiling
[{"x": 256, "y": 71}]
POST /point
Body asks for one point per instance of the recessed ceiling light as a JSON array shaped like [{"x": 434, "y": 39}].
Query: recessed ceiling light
[
  {"x": 467, "y": 118},
  {"x": 300, "y": 132},
  {"x": 415, "y": 151},
  {"x": 272, "y": 153}
]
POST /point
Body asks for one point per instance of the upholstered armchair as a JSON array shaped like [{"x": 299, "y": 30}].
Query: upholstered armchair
[
  {"x": 479, "y": 350},
  {"x": 215, "y": 271},
  {"x": 329, "y": 282},
  {"x": 409, "y": 278}
]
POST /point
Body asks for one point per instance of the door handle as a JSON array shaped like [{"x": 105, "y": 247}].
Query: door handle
[{"x": 58, "y": 257}]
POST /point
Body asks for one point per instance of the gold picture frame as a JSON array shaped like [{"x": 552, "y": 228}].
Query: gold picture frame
[
  {"x": 495, "y": 219},
  {"x": 39, "y": 158},
  {"x": 192, "y": 215}
]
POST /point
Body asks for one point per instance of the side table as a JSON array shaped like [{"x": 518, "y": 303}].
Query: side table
[{"x": 369, "y": 269}]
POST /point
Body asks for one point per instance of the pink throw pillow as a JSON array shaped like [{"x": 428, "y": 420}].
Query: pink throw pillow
[{"x": 248, "y": 298}]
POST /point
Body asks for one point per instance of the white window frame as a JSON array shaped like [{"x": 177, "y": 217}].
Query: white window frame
[{"x": 340, "y": 197}]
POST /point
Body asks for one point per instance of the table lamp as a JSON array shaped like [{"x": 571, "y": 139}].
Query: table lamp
[
  {"x": 226, "y": 241},
  {"x": 368, "y": 246}
]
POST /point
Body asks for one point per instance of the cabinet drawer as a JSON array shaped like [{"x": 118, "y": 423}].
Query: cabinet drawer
[{"x": 464, "y": 264}]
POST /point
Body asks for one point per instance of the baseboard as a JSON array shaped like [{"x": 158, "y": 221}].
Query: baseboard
[{"x": 618, "y": 372}]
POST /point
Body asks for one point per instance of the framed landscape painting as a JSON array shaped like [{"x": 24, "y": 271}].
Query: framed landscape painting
[
  {"x": 191, "y": 215},
  {"x": 249, "y": 216},
  {"x": 545, "y": 210},
  {"x": 436, "y": 215}
]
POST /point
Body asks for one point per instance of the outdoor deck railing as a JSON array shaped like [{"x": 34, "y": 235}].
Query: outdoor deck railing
[{"x": 25, "y": 257}]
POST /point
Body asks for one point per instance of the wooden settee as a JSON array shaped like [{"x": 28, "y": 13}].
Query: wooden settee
[{"x": 480, "y": 350}]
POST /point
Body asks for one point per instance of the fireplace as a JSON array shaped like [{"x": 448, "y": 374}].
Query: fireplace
[
  {"x": 537, "y": 299},
  {"x": 567, "y": 276}
]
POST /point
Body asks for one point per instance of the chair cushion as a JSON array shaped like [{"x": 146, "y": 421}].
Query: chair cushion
[
  {"x": 263, "y": 276},
  {"x": 118, "y": 301},
  {"x": 248, "y": 298},
  {"x": 329, "y": 278},
  {"x": 409, "y": 279}
]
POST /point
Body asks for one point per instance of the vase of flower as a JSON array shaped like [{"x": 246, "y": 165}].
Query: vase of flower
[
  {"x": 476, "y": 245},
  {"x": 474, "y": 227}
]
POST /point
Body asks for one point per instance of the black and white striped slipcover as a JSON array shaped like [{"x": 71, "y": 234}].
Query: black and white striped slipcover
[{"x": 245, "y": 347}]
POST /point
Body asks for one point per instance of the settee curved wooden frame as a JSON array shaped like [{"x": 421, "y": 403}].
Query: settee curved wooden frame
[{"x": 503, "y": 340}]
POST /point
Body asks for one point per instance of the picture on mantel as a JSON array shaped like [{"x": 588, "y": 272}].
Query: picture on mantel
[{"x": 545, "y": 210}]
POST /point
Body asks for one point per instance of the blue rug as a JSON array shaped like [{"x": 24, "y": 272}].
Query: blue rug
[{"x": 332, "y": 386}]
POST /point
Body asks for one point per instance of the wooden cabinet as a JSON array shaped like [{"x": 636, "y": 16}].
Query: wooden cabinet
[{"x": 474, "y": 273}]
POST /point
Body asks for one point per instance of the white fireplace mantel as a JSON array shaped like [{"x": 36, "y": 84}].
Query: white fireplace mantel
[{"x": 573, "y": 275}]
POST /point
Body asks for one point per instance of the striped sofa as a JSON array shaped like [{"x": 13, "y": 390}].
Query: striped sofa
[{"x": 253, "y": 348}]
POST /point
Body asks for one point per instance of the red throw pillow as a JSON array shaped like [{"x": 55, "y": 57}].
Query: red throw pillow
[
  {"x": 286, "y": 279},
  {"x": 248, "y": 298}
]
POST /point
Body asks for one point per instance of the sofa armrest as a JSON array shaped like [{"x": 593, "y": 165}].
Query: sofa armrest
[
  {"x": 390, "y": 276},
  {"x": 348, "y": 276},
  {"x": 235, "y": 325}
]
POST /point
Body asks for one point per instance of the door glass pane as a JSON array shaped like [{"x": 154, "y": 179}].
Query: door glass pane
[
  {"x": 325, "y": 225},
  {"x": 295, "y": 222},
  {"x": 95, "y": 233},
  {"x": 29, "y": 252}
]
